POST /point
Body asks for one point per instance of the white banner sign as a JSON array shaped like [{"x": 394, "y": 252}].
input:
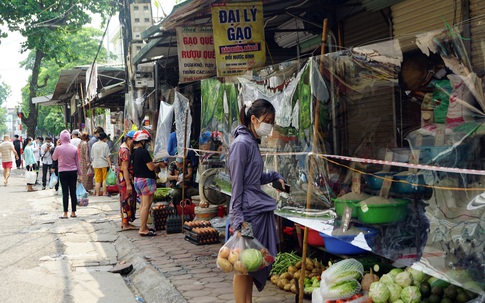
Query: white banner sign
[{"x": 196, "y": 53}]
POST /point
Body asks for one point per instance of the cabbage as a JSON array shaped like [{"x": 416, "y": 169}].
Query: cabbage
[
  {"x": 379, "y": 292},
  {"x": 395, "y": 271},
  {"x": 418, "y": 276},
  {"x": 404, "y": 279},
  {"x": 387, "y": 279},
  {"x": 252, "y": 259},
  {"x": 398, "y": 301},
  {"x": 411, "y": 294},
  {"x": 395, "y": 292}
]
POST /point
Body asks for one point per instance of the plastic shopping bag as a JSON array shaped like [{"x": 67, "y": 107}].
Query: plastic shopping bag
[
  {"x": 53, "y": 181},
  {"x": 111, "y": 177},
  {"x": 82, "y": 195},
  {"x": 30, "y": 177},
  {"x": 243, "y": 255}
]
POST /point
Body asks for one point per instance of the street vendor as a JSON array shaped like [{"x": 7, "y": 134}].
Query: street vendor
[
  {"x": 175, "y": 176},
  {"x": 250, "y": 205}
]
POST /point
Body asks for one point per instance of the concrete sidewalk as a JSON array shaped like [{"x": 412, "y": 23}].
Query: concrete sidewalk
[{"x": 167, "y": 268}]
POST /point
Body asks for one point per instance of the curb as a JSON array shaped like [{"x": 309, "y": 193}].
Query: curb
[{"x": 145, "y": 280}]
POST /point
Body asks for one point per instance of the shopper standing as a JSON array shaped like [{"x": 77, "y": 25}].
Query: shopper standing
[
  {"x": 18, "y": 148},
  {"x": 249, "y": 203},
  {"x": 101, "y": 162},
  {"x": 29, "y": 158},
  {"x": 145, "y": 178},
  {"x": 124, "y": 175},
  {"x": 46, "y": 151},
  {"x": 68, "y": 165},
  {"x": 6, "y": 149},
  {"x": 85, "y": 162},
  {"x": 36, "y": 148}
]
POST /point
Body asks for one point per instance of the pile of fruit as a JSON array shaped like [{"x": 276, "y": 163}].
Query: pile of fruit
[{"x": 242, "y": 262}]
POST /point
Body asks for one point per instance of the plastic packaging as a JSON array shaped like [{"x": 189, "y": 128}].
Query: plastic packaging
[
  {"x": 82, "y": 195},
  {"x": 53, "y": 180},
  {"x": 242, "y": 255}
]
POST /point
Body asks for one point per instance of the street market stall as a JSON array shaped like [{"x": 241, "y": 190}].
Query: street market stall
[{"x": 396, "y": 166}]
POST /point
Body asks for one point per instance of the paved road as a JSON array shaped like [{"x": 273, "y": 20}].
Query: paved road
[{"x": 45, "y": 259}]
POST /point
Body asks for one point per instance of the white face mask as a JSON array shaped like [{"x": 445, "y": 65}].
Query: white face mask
[{"x": 264, "y": 129}]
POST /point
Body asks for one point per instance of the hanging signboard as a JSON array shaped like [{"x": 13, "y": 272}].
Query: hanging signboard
[
  {"x": 91, "y": 82},
  {"x": 238, "y": 37},
  {"x": 196, "y": 54}
]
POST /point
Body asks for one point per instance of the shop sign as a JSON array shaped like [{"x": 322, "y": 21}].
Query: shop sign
[
  {"x": 196, "y": 54},
  {"x": 238, "y": 37}
]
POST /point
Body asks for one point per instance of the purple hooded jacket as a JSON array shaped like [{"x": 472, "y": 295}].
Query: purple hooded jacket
[
  {"x": 66, "y": 154},
  {"x": 249, "y": 202}
]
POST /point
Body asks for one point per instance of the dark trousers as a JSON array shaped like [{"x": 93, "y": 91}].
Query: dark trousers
[
  {"x": 68, "y": 181},
  {"x": 46, "y": 168},
  {"x": 19, "y": 161}
]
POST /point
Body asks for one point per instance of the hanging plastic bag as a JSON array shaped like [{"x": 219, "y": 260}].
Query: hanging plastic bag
[
  {"x": 111, "y": 177},
  {"x": 53, "y": 180},
  {"x": 82, "y": 195},
  {"x": 90, "y": 172},
  {"x": 30, "y": 177},
  {"x": 242, "y": 255}
]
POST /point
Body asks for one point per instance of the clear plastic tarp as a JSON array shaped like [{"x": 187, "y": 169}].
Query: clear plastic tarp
[{"x": 375, "y": 138}]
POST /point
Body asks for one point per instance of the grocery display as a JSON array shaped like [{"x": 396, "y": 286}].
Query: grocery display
[{"x": 160, "y": 212}]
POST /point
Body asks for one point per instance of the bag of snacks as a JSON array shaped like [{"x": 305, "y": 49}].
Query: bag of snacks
[{"x": 243, "y": 255}]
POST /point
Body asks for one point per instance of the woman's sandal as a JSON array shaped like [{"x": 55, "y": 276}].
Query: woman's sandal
[{"x": 149, "y": 234}]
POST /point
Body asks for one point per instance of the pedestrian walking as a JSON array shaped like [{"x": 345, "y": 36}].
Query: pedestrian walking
[
  {"x": 75, "y": 140},
  {"x": 100, "y": 162},
  {"x": 54, "y": 168},
  {"x": 87, "y": 172},
  {"x": 36, "y": 148},
  {"x": 145, "y": 178},
  {"x": 249, "y": 203},
  {"x": 124, "y": 175},
  {"x": 30, "y": 162},
  {"x": 68, "y": 165},
  {"x": 6, "y": 149},
  {"x": 46, "y": 151},
  {"x": 18, "y": 148}
]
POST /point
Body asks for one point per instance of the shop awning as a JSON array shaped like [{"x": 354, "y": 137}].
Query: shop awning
[
  {"x": 162, "y": 42},
  {"x": 44, "y": 100}
]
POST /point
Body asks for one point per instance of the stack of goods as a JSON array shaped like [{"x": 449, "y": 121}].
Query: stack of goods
[
  {"x": 201, "y": 233},
  {"x": 160, "y": 212},
  {"x": 174, "y": 224},
  {"x": 189, "y": 225}
]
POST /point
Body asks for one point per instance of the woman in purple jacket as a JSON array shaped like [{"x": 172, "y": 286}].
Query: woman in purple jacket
[
  {"x": 249, "y": 203},
  {"x": 68, "y": 165}
]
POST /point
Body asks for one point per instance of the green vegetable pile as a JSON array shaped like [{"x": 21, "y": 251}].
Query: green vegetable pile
[
  {"x": 283, "y": 260},
  {"x": 414, "y": 286},
  {"x": 161, "y": 194},
  {"x": 340, "y": 281}
]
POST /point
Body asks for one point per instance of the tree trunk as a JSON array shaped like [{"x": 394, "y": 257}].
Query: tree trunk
[{"x": 31, "y": 120}]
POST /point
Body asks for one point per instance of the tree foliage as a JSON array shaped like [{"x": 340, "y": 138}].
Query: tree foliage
[
  {"x": 47, "y": 26},
  {"x": 82, "y": 46}
]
